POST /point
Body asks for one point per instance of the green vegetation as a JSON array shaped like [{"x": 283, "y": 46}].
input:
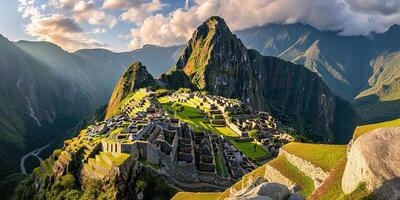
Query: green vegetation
[
  {"x": 254, "y": 133},
  {"x": 191, "y": 115},
  {"x": 8, "y": 186},
  {"x": 226, "y": 131},
  {"x": 113, "y": 108},
  {"x": 331, "y": 188},
  {"x": 247, "y": 147},
  {"x": 294, "y": 174},
  {"x": 321, "y": 155},
  {"x": 221, "y": 168},
  {"x": 196, "y": 196},
  {"x": 360, "y": 130},
  {"x": 155, "y": 187}
]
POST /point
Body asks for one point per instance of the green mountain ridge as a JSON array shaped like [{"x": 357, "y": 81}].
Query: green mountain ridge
[
  {"x": 215, "y": 60},
  {"x": 349, "y": 65}
]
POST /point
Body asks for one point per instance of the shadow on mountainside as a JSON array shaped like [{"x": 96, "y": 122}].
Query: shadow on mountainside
[{"x": 372, "y": 110}]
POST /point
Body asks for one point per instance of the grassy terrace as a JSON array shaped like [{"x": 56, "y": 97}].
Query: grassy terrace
[
  {"x": 321, "y": 155},
  {"x": 192, "y": 116},
  {"x": 332, "y": 187},
  {"x": 247, "y": 147},
  {"x": 196, "y": 196},
  {"x": 294, "y": 174},
  {"x": 360, "y": 130},
  {"x": 137, "y": 96}
]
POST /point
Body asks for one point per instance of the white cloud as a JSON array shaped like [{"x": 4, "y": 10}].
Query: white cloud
[
  {"x": 376, "y": 6},
  {"x": 86, "y": 11},
  {"x": 99, "y": 30},
  {"x": 337, "y": 15},
  {"x": 149, "y": 26},
  {"x": 63, "y": 4},
  {"x": 61, "y": 30},
  {"x": 122, "y": 4},
  {"x": 55, "y": 28},
  {"x": 138, "y": 13}
]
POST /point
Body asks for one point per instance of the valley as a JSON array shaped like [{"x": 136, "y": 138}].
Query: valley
[{"x": 279, "y": 111}]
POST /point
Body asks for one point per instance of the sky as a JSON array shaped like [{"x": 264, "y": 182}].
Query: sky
[{"x": 122, "y": 25}]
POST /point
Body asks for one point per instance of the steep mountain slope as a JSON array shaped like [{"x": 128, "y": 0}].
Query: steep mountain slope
[
  {"x": 381, "y": 101},
  {"x": 35, "y": 107},
  {"x": 347, "y": 64},
  {"x": 45, "y": 90},
  {"x": 352, "y": 66},
  {"x": 335, "y": 58},
  {"x": 215, "y": 60},
  {"x": 136, "y": 76}
]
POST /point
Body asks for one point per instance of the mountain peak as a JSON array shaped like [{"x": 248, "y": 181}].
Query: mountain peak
[
  {"x": 211, "y": 26},
  {"x": 135, "y": 77},
  {"x": 212, "y": 41}
]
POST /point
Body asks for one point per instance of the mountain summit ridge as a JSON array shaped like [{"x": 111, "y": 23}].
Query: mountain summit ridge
[{"x": 215, "y": 60}]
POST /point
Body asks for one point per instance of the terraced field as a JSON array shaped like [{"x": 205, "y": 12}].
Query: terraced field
[
  {"x": 196, "y": 196},
  {"x": 294, "y": 174},
  {"x": 320, "y": 155},
  {"x": 360, "y": 130},
  {"x": 192, "y": 116},
  {"x": 247, "y": 147},
  {"x": 330, "y": 158}
]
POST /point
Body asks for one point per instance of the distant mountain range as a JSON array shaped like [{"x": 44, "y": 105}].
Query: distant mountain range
[
  {"x": 45, "y": 90},
  {"x": 361, "y": 69}
]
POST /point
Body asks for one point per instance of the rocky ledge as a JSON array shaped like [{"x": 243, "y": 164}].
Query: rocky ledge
[
  {"x": 261, "y": 189},
  {"x": 373, "y": 160}
]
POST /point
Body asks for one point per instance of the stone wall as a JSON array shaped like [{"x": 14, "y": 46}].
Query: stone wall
[
  {"x": 315, "y": 173},
  {"x": 273, "y": 175},
  {"x": 213, "y": 178}
]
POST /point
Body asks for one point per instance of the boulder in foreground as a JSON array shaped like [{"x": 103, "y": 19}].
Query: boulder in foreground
[{"x": 374, "y": 160}]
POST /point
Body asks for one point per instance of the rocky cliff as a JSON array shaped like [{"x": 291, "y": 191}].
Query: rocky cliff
[
  {"x": 368, "y": 77},
  {"x": 215, "y": 60}
]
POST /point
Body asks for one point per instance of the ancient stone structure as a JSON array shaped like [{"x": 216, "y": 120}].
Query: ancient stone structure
[{"x": 317, "y": 174}]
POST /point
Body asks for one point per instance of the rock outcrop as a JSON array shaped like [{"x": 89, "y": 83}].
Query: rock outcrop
[
  {"x": 374, "y": 160},
  {"x": 274, "y": 175},
  {"x": 215, "y": 60},
  {"x": 258, "y": 189}
]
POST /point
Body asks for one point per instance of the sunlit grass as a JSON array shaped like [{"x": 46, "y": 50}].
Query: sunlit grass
[
  {"x": 294, "y": 174},
  {"x": 321, "y": 155},
  {"x": 196, "y": 196},
  {"x": 247, "y": 147},
  {"x": 360, "y": 130}
]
